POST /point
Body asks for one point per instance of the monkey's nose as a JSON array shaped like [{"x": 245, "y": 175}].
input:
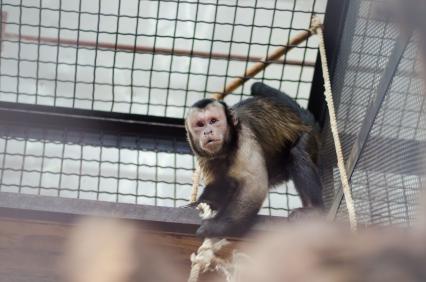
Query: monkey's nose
[{"x": 208, "y": 132}]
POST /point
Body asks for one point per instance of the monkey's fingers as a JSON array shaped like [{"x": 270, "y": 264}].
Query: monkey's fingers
[{"x": 192, "y": 205}]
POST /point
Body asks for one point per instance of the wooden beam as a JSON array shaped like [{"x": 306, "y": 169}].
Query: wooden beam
[
  {"x": 33, "y": 250},
  {"x": 36, "y": 207},
  {"x": 163, "y": 219},
  {"x": 35, "y": 229}
]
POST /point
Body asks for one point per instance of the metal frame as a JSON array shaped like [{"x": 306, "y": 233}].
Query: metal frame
[
  {"x": 158, "y": 132},
  {"x": 143, "y": 49},
  {"x": 164, "y": 219},
  {"x": 3, "y": 20},
  {"x": 335, "y": 17},
  {"x": 167, "y": 219},
  {"x": 372, "y": 111}
]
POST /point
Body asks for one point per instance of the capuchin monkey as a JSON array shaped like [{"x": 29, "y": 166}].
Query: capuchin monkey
[{"x": 245, "y": 150}]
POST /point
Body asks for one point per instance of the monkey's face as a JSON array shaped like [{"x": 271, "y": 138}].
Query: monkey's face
[{"x": 207, "y": 129}]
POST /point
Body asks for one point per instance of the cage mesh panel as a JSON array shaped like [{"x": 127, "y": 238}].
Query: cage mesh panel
[
  {"x": 360, "y": 66},
  {"x": 80, "y": 53},
  {"x": 386, "y": 180},
  {"x": 92, "y": 166},
  {"x": 124, "y": 169}
]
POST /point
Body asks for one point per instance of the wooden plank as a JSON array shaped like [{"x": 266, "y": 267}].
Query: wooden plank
[
  {"x": 33, "y": 250},
  {"x": 30, "y": 251},
  {"x": 180, "y": 220},
  {"x": 164, "y": 219}
]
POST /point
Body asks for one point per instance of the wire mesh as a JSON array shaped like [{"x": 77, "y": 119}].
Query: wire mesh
[
  {"x": 104, "y": 167},
  {"x": 148, "y": 57},
  {"x": 386, "y": 179},
  {"x": 364, "y": 54},
  {"x": 92, "y": 166},
  {"x": 139, "y": 57}
]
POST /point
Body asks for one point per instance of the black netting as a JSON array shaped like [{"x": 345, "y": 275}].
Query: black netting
[
  {"x": 148, "y": 57},
  {"x": 105, "y": 167},
  {"x": 93, "y": 166}
]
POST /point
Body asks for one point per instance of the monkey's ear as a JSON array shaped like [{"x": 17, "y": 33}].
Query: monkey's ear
[{"x": 234, "y": 117}]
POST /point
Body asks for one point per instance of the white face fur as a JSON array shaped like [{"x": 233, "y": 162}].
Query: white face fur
[{"x": 208, "y": 127}]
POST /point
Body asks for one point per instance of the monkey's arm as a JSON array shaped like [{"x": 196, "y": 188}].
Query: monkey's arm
[
  {"x": 235, "y": 218},
  {"x": 237, "y": 215},
  {"x": 244, "y": 186},
  {"x": 217, "y": 194}
]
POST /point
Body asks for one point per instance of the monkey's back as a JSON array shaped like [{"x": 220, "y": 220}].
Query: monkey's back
[
  {"x": 279, "y": 124},
  {"x": 275, "y": 123}
]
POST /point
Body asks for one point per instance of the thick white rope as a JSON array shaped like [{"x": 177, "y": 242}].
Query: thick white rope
[
  {"x": 317, "y": 27},
  {"x": 205, "y": 259}
]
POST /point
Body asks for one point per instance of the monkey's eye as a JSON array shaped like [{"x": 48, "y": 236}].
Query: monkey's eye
[
  {"x": 213, "y": 121},
  {"x": 200, "y": 124}
]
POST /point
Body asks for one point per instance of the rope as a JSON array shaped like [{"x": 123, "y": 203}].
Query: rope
[
  {"x": 196, "y": 176},
  {"x": 316, "y": 24},
  {"x": 206, "y": 259},
  {"x": 260, "y": 66}
]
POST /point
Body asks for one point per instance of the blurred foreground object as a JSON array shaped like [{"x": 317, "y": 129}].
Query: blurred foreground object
[
  {"x": 408, "y": 14},
  {"x": 321, "y": 252},
  {"x": 106, "y": 250}
]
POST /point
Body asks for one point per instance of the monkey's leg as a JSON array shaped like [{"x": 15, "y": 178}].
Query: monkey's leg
[{"x": 304, "y": 174}]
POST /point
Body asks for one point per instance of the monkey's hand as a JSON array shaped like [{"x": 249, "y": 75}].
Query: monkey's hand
[
  {"x": 205, "y": 211},
  {"x": 212, "y": 228},
  {"x": 204, "y": 203},
  {"x": 207, "y": 214}
]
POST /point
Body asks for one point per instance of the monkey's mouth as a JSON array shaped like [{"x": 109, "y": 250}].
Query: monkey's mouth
[{"x": 211, "y": 142}]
